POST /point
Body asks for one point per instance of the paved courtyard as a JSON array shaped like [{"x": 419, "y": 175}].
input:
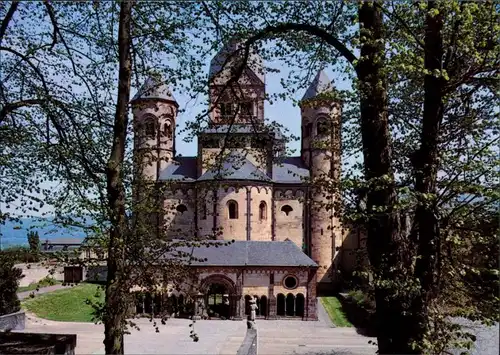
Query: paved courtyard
[{"x": 216, "y": 337}]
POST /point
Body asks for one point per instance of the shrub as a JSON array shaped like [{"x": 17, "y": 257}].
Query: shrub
[
  {"x": 9, "y": 281},
  {"x": 34, "y": 242},
  {"x": 47, "y": 281},
  {"x": 20, "y": 255}
]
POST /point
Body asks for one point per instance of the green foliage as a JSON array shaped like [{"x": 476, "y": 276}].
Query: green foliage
[
  {"x": 9, "y": 280},
  {"x": 20, "y": 254},
  {"x": 34, "y": 242}
]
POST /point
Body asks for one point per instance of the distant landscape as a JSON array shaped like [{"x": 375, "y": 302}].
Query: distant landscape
[{"x": 15, "y": 233}]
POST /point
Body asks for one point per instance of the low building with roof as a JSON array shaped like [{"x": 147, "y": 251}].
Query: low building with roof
[{"x": 242, "y": 186}]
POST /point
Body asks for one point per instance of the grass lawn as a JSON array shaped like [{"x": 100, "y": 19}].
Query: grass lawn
[
  {"x": 334, "y": 309},
  {"x": 67, "y": 305}
]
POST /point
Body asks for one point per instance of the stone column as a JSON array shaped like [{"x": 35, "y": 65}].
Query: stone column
[
  {"x": 272, "y": 305},
  {"x": 236, "y": 305}
]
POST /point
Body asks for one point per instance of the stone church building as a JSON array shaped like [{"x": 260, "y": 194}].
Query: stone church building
[{"x": 242, "y": 186}]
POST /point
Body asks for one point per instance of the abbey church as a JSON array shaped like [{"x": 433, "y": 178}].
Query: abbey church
[{"x": 242, "y": 186}]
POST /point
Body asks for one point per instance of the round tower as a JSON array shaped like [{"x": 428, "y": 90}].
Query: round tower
[
  {"x": 321, "y": 113},
  {"x": 155, "y": 110}
]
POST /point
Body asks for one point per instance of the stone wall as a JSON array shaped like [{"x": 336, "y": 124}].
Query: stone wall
[
  {"x": 260, "y": 227},
  {"x": 179, "y": 207},
  {"x": 232, "y": 228},
  {"x": 291, "y": 225},
  {"x": 34, "y": 272},
  {"x": 12, "y": 321}
]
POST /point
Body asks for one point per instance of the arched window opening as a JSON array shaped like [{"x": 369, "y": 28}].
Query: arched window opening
[
  {"x": 290, "y": 305},
  {"x": 262, "y": 211},
  {"x": 280, "y": 304},
  {"x": 257, "y": 303},
  {"x": 148, "y": 303},
  {"x": 150, "y": 127},
  {"x": 322, "y": 126},
  {"x": 263, "y": 306},
  {"x": 247, "y": 304},
  {"x": 232, "y": 207},
  {"x": 167, "y": 129},
  {"x": 299, "y": 305},
  {"x": 286, "y": 209},
  {"x": 226, "y": 109},
  {"x": 170, "y": 111},
  {"x": 181, "y": 209},
  {"x": 246, "y": 108}
]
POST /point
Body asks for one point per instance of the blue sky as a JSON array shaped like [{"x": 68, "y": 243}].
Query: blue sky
[{"x": 283, "y": 112}]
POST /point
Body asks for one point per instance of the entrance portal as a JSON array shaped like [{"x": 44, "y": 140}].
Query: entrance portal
[
  {"x": 220, "y": 297},
  {"x": 217, "y": 301}
]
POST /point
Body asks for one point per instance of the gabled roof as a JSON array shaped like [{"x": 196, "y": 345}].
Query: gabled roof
[
  {"x": 154, "y": 88},
  {"x": 235, "y": 167},
  {"x": 227, "y": 58},
  {"x": 320, "y": 84},
  {"x": 248, "y": 253},
  {"x": 290, "y": 170},
  {"x": 184, "y": 169}
]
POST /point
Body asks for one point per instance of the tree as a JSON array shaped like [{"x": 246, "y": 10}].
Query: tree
[
  {"x": 79, "y": 136},
  {"x": 9, "y": 281},
  {"x": 34, "y": 241},
  {"x": 452, "y": 72}
]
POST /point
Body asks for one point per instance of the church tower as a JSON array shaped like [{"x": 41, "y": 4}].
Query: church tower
[
  {"x": 241, "y": 102},
  {"x": 155, "y": 110},
  {"x": 321, "y": 113}
]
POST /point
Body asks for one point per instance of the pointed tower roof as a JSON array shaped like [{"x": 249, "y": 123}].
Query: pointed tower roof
[
  {"x": 154, "y": 88},
  {"x": 320, "y": 84},
  {"x": 219, "y": 65}
]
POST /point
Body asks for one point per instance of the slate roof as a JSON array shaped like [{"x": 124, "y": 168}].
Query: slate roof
[
  {"x": 218, "y": 63},
  {"x": 239, "y": 128},
  {"x": 320, "y": 84},
  {"x": 249, "y": 253},
  {"x": 154, "y": 88},
  {"x": 235, "y": 167},
  {"x": 184, "y": 169},
  {"x": 290, "y": 170}
]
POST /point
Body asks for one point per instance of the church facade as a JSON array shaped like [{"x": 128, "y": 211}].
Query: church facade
[{"x": 242, "y": 186}]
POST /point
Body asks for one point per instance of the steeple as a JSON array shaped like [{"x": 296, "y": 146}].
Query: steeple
[
  {"x": 155, "y": 89},
  {"x": 320, "y": 84}
]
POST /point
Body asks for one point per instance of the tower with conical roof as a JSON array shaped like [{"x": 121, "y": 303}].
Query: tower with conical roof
[
  {"x": 155, "y": 110},
  {"x": 321, "y": 112}
]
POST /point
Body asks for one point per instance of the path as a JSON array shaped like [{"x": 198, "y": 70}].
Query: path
[
  {"x": 215, "y": 337},
  {"x": 26, "y": 294}
]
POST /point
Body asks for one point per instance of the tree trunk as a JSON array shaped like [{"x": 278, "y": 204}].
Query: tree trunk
[
  {"x": 426, "y": 164},
  {"x": 383, "y": 232},
  {"x": 116, "y": 305}
]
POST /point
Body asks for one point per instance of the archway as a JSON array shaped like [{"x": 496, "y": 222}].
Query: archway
[
  {"x": 290, "y": 305},
  {"x": 299, "y": 305},
  {"x": 280, "y": 304},
  {"x": 219, "y": 294},
  {"x": 247, "y": 304},
  {"x": 263, "y": 306}
]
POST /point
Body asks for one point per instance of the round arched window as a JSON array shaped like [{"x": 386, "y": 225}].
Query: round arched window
[{"x": 290, "y": 282}]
